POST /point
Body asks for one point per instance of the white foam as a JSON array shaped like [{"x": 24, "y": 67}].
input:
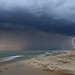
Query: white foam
[
  {"x": 43, "y": 55},
  {"x": 11, "y": 58}
]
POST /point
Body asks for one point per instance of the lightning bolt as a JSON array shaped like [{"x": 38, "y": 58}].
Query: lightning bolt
[{"x": 73, "y": 42}]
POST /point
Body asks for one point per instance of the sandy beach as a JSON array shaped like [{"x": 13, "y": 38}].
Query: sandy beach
[
  {"x": 21, "y": 68},
  {"x": 62, "y": 63}
]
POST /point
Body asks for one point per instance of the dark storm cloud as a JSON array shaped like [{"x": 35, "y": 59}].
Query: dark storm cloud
[
  {"x": 32, "y": 39},
  {"x": 52, "y": 16}
]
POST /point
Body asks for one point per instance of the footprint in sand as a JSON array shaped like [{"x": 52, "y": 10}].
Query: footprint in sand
[
  {"x": 6, "y": 68},
  {"x": 0, "y": 71}
]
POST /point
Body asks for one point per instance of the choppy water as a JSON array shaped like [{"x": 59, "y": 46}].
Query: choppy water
[{"x": 25, "y": 54}]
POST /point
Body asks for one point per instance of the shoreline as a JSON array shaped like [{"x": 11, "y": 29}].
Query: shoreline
[
  {"x": 8, "y": 59},
  {"x": 62, "y": 63}
]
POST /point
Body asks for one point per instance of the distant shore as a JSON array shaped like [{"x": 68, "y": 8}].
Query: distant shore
[{"x": 62, "y": 63}]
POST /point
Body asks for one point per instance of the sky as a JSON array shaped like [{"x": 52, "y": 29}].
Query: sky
[{"x": 37, "y": 24}]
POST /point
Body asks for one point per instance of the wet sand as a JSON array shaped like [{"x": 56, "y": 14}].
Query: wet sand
[{"x": 21, "y": 68}]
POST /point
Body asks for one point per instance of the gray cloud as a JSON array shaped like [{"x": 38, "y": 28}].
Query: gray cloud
[
  {"x": 58, "y": 8},
  {"x": 52, "y": 16}
]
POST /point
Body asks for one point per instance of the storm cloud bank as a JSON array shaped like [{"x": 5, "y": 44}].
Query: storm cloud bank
[
  {"x": 30, "y": 39},
  {"x": 52, "y": 16},
  {"x": 36, "y": 24}
]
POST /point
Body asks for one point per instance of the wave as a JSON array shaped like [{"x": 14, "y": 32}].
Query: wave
[
  {"x": 11, "y": 58},
  {"x": 43, "y": 55},
  {"x": 51, "y": 53}
]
